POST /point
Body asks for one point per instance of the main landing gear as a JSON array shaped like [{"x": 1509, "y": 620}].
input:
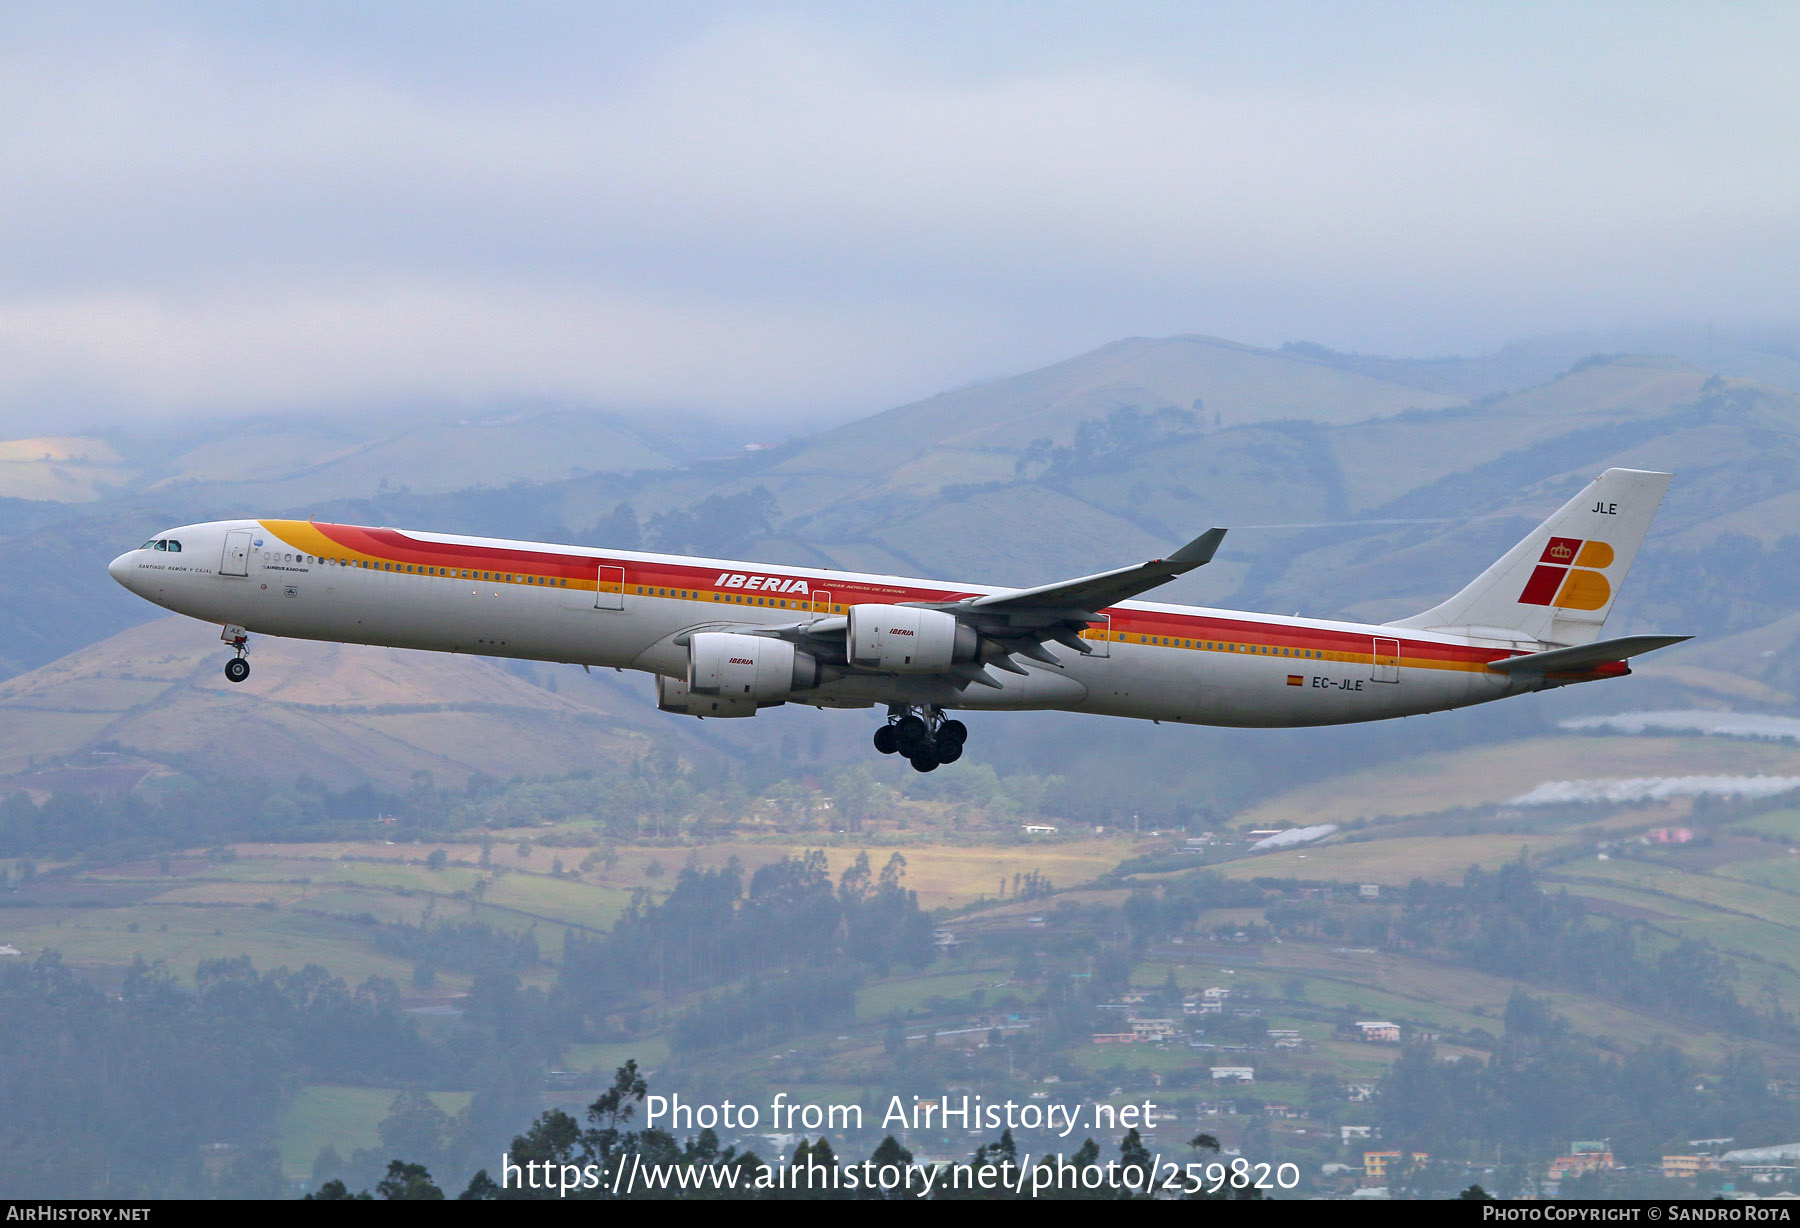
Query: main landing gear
[
  {"x": 922, "y": 735},
  {"x": 238, "y": 668}
]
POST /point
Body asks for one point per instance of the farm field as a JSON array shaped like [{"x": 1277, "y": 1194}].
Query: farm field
[
  {"x": 292, "y": 904},
  {"x": 343, "y": 1118}
]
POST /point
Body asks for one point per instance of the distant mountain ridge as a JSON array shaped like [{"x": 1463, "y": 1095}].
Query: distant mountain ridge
[{"x": 1108, "y": 457}]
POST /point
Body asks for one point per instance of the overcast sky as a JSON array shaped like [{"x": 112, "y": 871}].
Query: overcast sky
[{"x": 829, "y": 209}]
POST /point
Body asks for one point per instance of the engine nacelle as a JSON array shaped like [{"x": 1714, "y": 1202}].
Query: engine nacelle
[
  {"x": 908, "y": 640},
  {"x": 752, "y": 667},
  {"x": 672, "y": 695}
]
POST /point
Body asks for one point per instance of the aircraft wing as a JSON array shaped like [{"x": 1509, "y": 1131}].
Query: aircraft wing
[
  {"x": 1098, "y": 591},
  {"x": 1021, "y": 620},
  {"x": 1015, "y": 622}
]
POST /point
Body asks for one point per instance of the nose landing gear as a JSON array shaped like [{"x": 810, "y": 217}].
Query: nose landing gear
[
  {"x": 238, "y": 668},
  {"x": 921, "y": 735}
]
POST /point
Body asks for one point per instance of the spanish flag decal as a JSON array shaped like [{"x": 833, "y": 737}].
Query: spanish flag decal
[{"x": 1296, "y": 680}]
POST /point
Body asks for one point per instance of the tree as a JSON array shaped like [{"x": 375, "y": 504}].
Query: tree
[
  {"x": 1133, "y": 1154},
  {"x": 408, "y": 1183},
  {"x": 890, "y": 1154},
  {"x": 481, "y": 1189},
  {"x": 335, "y": 1191},
  {"x": 415, "y": 1127},
  {"x": 616, "y": 1106}
]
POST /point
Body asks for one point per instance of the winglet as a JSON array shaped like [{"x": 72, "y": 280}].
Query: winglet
[{"x": 1200, "y": 551}]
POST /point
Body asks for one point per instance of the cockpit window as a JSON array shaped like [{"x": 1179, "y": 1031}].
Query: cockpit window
[
  {"x": 174, "y": 545},
  {"x": 162, "y": 544},
  {"x": 149, "y": 545}
]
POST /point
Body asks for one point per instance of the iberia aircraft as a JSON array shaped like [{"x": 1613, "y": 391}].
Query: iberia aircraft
[{"x": 729, "y": 639}]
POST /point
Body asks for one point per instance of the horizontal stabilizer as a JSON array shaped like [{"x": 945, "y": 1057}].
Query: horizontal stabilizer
[{"x": 1584, "y": 656}]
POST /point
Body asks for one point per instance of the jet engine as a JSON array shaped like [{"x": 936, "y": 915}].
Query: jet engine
[
  {"x": 908, "y": 640},
  {"x": 672, "y": 695},
  {"x": 748, "y": 667}
]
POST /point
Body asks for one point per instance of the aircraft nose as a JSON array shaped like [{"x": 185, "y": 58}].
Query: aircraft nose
[{"x": 120, "y": 568}]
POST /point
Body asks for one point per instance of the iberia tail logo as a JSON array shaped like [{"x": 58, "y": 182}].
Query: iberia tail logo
[{"x": 1567, "y": 575}]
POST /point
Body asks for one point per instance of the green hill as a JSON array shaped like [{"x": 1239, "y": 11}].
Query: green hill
[{"x": 153, "y": 700}]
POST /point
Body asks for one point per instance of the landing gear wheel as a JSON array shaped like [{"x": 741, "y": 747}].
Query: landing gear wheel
[
  {"x": 912, "y": 735},
  {"x": 949, "y": 749},
  {"x": 925, "y": 761},
  {"x": 237, "y": 669},
  {"x": 887, "y": 741},
  {"x": 954, "y": 731}
]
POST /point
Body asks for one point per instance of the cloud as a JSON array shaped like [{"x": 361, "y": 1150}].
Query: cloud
[
  {"x": 1653, "y": 789},
  {"x": 811, "y": 210},
  {"x": 406, "y": 342}
]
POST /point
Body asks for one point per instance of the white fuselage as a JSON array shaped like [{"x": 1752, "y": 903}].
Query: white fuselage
[{"x": 486, "y": 597}]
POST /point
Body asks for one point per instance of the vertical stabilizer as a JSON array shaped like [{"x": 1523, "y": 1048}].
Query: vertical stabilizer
[{"x": 1557, "y": 586}]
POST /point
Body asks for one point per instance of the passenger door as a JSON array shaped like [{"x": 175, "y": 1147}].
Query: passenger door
[
  {"x": 609, "y": 591},
  {"x": 235, "y": 560}
]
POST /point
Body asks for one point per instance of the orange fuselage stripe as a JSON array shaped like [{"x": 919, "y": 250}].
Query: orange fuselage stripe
[{"x": 388, "y": 549}]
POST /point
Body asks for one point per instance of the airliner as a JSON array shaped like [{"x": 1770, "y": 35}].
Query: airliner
[{"x": 728, "y": 639}]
